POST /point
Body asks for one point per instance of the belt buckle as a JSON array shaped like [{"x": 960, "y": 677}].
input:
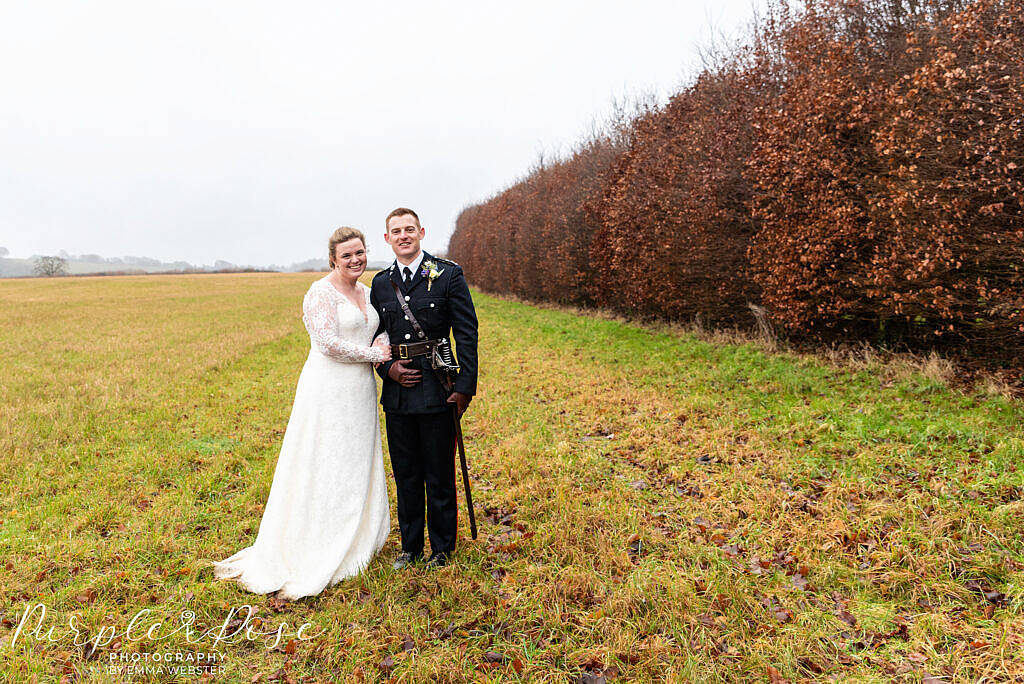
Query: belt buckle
[{"x": 403, "y": 351}]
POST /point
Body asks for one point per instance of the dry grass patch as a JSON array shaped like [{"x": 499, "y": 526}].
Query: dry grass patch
[{"x": 652, "y": 506}]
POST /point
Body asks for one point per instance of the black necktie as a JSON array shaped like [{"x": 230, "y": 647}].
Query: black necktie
[{"x": 408, "y": 276}]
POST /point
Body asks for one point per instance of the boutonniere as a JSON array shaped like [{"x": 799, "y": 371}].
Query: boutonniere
[{"x": 430, "y": 272}]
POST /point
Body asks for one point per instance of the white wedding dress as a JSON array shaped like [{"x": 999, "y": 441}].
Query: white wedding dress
[{"x": 327, "y": 514}]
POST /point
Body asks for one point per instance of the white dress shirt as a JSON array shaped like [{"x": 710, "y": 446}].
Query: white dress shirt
[{"x": 413, "y": 267}]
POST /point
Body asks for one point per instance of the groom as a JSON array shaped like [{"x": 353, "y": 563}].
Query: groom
[{"x": 417, "y": 410}]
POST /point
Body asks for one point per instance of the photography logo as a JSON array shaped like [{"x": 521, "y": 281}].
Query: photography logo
[{"x": 163, "y": 663}]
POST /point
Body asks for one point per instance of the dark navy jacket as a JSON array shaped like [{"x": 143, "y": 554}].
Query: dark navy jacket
[{"x": 447, "y": 306}]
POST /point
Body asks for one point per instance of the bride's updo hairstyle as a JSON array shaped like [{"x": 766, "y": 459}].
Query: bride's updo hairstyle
[{"x": 343, "y": 234}]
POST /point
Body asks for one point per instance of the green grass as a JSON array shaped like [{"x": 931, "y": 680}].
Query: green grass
[{"x": 649, "y": 502}]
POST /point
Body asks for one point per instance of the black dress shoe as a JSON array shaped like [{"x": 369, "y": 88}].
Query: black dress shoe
[
  {"x": 405, "y": 558},
  {"x": 437, "y": 560}
]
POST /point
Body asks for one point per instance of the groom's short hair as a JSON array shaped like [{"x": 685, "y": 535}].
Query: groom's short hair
[{"x": 401, "y": 211}]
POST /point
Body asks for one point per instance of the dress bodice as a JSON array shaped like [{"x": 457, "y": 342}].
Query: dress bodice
[
  {"x": 337, "y": 327},
  {"x": 352, "y": 326}
]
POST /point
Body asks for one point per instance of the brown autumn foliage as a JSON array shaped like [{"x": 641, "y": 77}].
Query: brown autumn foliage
[
  {"x": 674, "y": 220},
  {"x": 889, "y": 203},
  {"x": 533, "y": 239},
  {"x": 854, "y": 168},
  {"x": 814, "y": 166},
  {"x": 951, "y": 195}
]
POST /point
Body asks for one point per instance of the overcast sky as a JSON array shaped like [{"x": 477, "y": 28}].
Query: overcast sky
[{"x": 248, "y": 131}]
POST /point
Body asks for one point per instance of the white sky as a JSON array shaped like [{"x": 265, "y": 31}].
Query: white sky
[{"x": 248, "y": 131}]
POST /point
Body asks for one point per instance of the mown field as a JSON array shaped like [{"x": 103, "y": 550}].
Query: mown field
[{"x": 652, "y": 506}]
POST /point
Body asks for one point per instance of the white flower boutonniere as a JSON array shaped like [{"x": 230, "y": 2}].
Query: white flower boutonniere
[{"x": 430, "y": 272}]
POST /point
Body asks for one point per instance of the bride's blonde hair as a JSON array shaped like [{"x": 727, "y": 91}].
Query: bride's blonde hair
[{"x": 343, "y": 234}]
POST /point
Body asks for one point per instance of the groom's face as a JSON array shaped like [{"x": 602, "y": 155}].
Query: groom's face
[{"x": 404, "y": 234}]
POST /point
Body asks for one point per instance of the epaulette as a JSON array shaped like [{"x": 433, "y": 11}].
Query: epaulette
[{"x": 447, "y": 261}]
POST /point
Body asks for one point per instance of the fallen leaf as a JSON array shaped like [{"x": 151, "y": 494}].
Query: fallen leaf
[
  {"x": 810, "y": 665},
  {"x": 592, "y": 678},
  {"x": 780, "y": 613},
  {"x": 635, "y": 547},
  {"x": 732, "y": 550}
]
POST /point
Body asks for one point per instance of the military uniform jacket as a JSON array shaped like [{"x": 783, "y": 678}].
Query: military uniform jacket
[{"x": 446, "y": 307}]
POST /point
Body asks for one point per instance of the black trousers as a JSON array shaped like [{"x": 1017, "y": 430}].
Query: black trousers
[{"x": 422, "y": 449}]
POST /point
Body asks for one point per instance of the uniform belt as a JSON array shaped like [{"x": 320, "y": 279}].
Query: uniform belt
[{"x": 408, "y": 351}]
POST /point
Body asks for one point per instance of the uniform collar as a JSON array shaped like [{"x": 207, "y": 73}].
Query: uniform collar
[{"x": 414, "y": 266}]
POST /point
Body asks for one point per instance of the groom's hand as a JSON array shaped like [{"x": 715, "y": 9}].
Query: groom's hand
[
  {"x": 460, "y": 400},
  {"x": 406, "y": 377}
]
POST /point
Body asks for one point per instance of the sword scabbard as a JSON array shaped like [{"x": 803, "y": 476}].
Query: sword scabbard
[{"x": 460, "y": 448}]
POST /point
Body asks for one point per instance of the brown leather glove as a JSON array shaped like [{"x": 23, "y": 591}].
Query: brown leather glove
[
  {"x": 404, "y": 376},
  {"x": 461, "y": 401}
]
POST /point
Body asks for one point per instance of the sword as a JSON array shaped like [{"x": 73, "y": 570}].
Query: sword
[
  {"x": 461, "y": 448},
  {"x": 444, "y": 365}
]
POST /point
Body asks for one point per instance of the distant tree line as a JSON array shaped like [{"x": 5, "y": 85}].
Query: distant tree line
[
  {"x": 85, "y": 265},
  {"x": 851, "y": 171}
]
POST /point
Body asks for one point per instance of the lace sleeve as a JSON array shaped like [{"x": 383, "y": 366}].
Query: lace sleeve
[{"x": 320, "y": 315}]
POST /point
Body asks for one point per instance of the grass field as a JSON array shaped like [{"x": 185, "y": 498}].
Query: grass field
[{"x": 653, "y": 507}]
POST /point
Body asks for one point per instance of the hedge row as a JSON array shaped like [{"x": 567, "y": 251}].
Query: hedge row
[{"x": 855, "y": 169}]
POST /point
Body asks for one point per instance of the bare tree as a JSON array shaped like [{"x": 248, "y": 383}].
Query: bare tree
[
  {"x": 4, "y": 251},
  {"x": 51, "y": 266}
]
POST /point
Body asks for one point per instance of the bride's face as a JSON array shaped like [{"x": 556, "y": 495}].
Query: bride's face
[{"x": 350, "y": 258}]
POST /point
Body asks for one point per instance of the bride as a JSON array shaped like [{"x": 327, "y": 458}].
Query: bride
[{"x": 328, "y": 512}]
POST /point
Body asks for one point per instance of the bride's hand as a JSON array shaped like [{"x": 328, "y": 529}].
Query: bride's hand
[{"x": 379, "y": 343}]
